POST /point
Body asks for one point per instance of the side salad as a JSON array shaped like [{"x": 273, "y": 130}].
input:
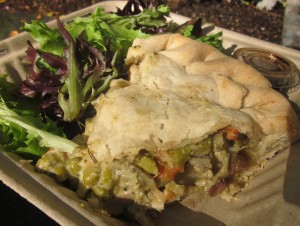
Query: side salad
[{"x": 73, "y": 65}]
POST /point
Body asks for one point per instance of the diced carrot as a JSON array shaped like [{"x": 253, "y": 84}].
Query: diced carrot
[
  {"x": 170, "y": 196},
  {"x": 168, "y": 173},
  {"x": 232, "y": 134}
]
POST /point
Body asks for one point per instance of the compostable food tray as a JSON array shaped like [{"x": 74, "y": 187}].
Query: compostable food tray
[{"x": 273, "y": 197}]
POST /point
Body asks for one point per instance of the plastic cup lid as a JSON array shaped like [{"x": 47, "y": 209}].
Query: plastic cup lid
[{"x": 280, "y": 71}]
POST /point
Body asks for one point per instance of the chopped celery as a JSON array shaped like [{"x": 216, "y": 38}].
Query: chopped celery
[
  {"x": 202, "y": 148},
  {"x": 147, "y": 164},
  {"x": 219, "y": 142},
  {"x": 180, "y": 155}
]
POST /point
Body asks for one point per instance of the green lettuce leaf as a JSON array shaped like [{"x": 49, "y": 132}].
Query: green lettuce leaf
[
  {"x": 23, "y": 130},
  {"x": 99, "y": 28},
  {"x": 49, "y": 39},
  {"x": 213, "y": 40}
]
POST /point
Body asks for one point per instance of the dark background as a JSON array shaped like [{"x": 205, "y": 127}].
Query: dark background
[{"x": 236, "y": 16}]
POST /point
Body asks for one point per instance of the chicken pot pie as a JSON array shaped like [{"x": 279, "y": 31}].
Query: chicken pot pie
[{"x": 189, "y": 119}]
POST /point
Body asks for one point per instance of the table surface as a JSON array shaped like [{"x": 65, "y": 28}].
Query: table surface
[{"x": 16, "y": 210}]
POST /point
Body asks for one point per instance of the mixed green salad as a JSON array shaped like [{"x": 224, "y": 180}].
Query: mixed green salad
[{"x": 72, "y": 66}]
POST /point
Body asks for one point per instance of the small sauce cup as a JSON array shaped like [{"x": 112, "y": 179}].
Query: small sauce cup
[{"x": 280, "y": 71}]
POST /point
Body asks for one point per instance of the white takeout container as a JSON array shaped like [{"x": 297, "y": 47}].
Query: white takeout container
[{"x": 273, "y": 197}]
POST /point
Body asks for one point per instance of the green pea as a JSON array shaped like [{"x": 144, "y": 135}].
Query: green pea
[
  {"x": 106, "y": 178},
  {"x": 73, "y": 166},
  {"x": 60, "y": 172},
  {"x": 90, "y": 177},
  {"x": 100, "y": 191},
  {"x": 53, "y": 164}
]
